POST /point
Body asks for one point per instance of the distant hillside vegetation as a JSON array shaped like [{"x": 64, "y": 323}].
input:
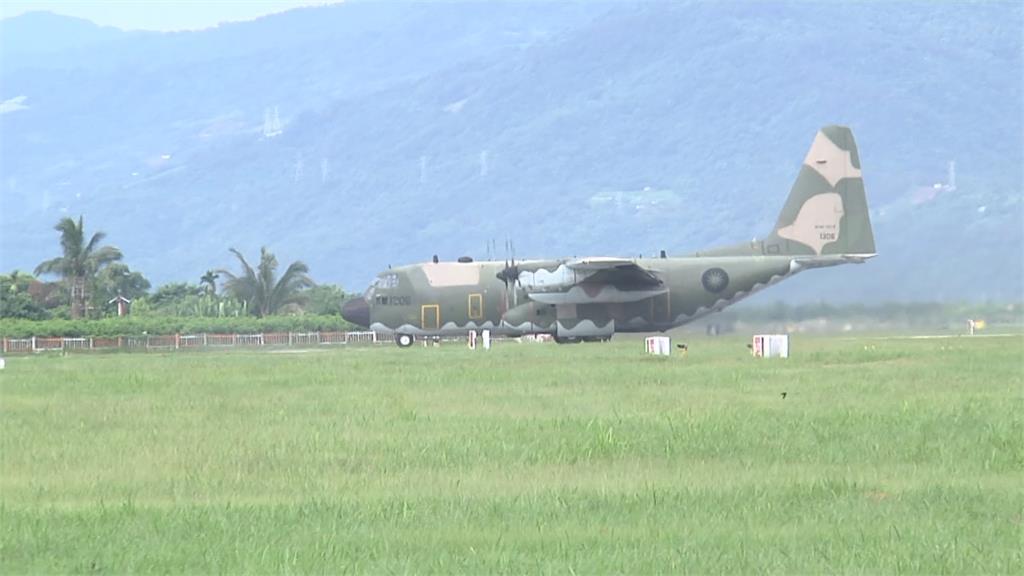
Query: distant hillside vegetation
[{"x": 365, "y": 134}]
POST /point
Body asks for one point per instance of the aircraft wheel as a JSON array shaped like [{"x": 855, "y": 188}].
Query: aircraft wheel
[{"x": 404, "y": 340}]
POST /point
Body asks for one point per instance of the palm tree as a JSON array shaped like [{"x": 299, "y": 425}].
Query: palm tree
[
  {"x": 210, "y": 281},
  {"x": 14, "y": 277},
  {"x": 80, "y": 262},
  {"x": 260, "y": 290}
]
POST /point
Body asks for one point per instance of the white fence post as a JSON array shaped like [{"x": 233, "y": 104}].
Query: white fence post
[{"x": 33, "y": 343}]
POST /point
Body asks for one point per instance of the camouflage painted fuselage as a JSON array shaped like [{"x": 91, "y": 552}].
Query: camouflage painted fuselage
[
  {"x": 824, "y": 222},
  {"x": 452, "y": 298}
]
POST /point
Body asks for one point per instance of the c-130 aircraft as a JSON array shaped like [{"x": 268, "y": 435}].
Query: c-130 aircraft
[{"x": 823, "y": 223}]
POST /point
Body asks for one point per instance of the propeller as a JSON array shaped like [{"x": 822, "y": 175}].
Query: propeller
[
  {"x": 510, "y": 274},
  {"x": 511, "y": 271}
]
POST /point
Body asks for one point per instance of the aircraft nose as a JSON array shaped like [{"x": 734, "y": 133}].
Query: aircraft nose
[{"x": 357, "y": 311}]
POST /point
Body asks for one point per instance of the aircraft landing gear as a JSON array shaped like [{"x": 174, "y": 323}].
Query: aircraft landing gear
[{"x": 404, "y": 340}]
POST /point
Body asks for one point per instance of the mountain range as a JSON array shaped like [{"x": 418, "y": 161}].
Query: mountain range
[{"x": 368, "y": 134}]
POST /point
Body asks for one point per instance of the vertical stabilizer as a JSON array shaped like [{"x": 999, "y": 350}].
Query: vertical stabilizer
[{"x": 827, "y": 210}]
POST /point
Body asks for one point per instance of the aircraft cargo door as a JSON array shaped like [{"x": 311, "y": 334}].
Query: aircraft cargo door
[
  {"x": 475, "y": 307},
  {"x": 430, "y": 317}
]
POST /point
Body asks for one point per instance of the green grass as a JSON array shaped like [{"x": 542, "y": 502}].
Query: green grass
[{"x": 895, "y": 456}]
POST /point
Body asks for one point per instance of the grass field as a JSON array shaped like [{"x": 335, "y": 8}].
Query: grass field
[{"x": 894, "y": 456}]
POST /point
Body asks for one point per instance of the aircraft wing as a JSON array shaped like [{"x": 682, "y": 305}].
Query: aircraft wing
[
  {"x": 599, "y": 281},
  {"x": 598, "y": 263},
  {"x": 618, "y": 272}
]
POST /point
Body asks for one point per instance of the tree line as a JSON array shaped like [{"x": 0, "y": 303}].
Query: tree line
[{"x": 89, "y": 277}]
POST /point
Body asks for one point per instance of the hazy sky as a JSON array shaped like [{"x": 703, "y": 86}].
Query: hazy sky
[{"x": 157, "y": 14}]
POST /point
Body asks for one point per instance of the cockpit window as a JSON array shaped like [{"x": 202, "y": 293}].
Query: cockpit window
[
  {"x": 386, "y": 281},
  {"x": 382, "y": 282}
]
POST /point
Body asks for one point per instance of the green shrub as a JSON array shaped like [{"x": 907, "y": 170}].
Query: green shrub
[{"x": 137, "y": 326}]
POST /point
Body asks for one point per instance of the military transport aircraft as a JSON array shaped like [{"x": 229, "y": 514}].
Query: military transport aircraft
[{"x": 823, "y": 223}]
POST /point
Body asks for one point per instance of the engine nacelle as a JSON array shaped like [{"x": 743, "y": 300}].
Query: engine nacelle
[{"x": 530, "y": 316}]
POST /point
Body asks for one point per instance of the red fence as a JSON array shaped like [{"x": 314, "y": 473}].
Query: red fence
[{"x": 190, "y": 341}]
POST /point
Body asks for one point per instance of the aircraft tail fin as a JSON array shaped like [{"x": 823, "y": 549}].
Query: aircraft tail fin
[{"x": 827, "y": 209}]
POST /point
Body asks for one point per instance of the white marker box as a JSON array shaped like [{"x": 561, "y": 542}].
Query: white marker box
[{"x": 658, "y": 345}]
